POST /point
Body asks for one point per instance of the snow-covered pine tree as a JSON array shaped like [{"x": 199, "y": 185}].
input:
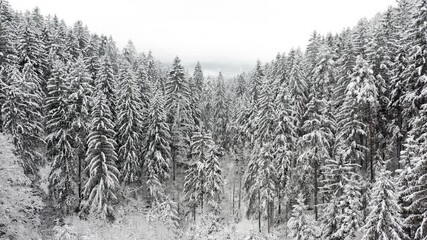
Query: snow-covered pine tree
[
  {"x": 362, "y": 87},
  {"x": 143, "y": 82},
  {"x": 207, "y": 104},
  {"x": 213, "y": 182},
  {"x": 381, "y": 52},
  {"x": 255, "y": 82},
  {"x": 314, "y": 143},
  {"x": 260, "y": 182},
  {"x": 221, "y": 114},
  {"x": 60, "y": 142},
  {"x": 194, "y": 186},
  {"x": 415, "y": 194},
  {"x": 384, "y": 221},
  {"x": 99, "y": 190},
  {"x": 91, "y": 56},
  {"x": 297, "y": 88},
  {"x": 80, "y": 101},
  {"x": 345, "y": 62},
  {"x": 195, "y": 105},
  {"x": 284, "y": 137},
  {"x": 300, "y": 225},
  {"x": 351, "y": 204},
  {"x": 198, "y": 79},
  {"x": 338, "y": 172},
  {"x": 398, "y": 124},
  {"x": 31, "y": 50},
  {"x": 7, "y": 50},
  {"x": 415, "y": 73},
  {"x": 107, "y": 80},
  {"x": 241, "y": 88},
  {"x": 406, "y": 178},
  {"x": 157, "y": 142},
  {"x": 351, "y": 128},
  {"x": 129, "y": 124},
  {"x": 22, "y": 118},
  {"x": 177, "y": 91}
]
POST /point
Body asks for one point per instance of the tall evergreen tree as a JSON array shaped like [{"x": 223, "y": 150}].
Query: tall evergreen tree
[
  {"x": 129, "y": 125},
  {"x": 107, "y": 79},
  {"x": 79, "y": 100},
  {"x": 384, "y": 220},
  {"x": 100, "y": 187},
  {"x": 22, "y": 118},
  {"x": 300, "y": 226},
  {"x": 60, "y": 138},
  {"x": 220, "y": 112},
  {"x": 177, "y": 93},
  {"x": 256, "y": 82},
  {"x": 157, "y": 142}
]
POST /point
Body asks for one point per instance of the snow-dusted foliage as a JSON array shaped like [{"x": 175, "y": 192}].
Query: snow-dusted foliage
[
  {"x": 384, "y": 221},
  {"x": 157, "y": 142},
  {"x": 129, "y": 125},
  {"x": 100, "y": 187},
  {"x": 60, "y": 141},
  {"x": 300, "y": 225}
]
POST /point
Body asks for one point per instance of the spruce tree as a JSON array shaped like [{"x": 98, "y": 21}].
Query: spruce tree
[
  {"x": 107, "y": 79},
  {"x": 255, "y": 82},
  {"x": 195, "y": 179},
  {"x": 415, "y": 193},
  {"x": 260, "y": 181},
  {"x": 22, "y": 118},
  {"x": 129, "y": 125},
  {"x": 101, "y": 185},
  {"x": 59, "y": 138},
  {"x": 415, "y": 72},
  {"x": 315, "y": 142},
  {"x": 213, "y": 182},
  {"x": 300, "y": 225},
  {"x": 80, "y": 101},
  {"x": 177, "y": 93},
  {"x": 384, "y": 220},
  {"x": 198, "y": 79},
  {"x": 220, "y": 113},
  {"x": 157, "y": 142},
  {"x": 297, "y": 88}
]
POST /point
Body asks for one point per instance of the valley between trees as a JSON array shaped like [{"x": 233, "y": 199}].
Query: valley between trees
[{"x": 323, "y": 143}]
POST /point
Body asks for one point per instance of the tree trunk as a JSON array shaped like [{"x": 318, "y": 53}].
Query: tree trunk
[
  {"x": 399, "y": 140},
  {"x": 268, "y": 217},
  {"x": 194, "y": 213},
  {"x": 173, "y": 163},
  {"x": 80, "y": 181},
  {"x": 240, "y": 192},
  {"x": 234, "y": 189},
  {"x": 259, "y": 210},
  {"x": 201, "y": 205},
  {"x": 316, "y": 188},
  {"x": 279, "y": 207},
  {"x": 371, "y": 145}
]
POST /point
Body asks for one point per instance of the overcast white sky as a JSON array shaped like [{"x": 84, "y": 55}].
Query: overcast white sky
[{"x": 227, "y": 35}]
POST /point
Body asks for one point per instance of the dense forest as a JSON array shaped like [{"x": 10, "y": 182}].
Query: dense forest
[{"x": 328, "y": 142}]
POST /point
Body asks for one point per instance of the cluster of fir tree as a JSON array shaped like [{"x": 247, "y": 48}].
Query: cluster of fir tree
[
  {"x": 333, "y": 127},
  {"x": 103, "y": 119}
]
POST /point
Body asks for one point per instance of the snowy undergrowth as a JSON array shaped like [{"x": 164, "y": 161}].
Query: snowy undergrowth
[
  {"x": 19, "y": 205},
  {"x": 137, "y": 227}
]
